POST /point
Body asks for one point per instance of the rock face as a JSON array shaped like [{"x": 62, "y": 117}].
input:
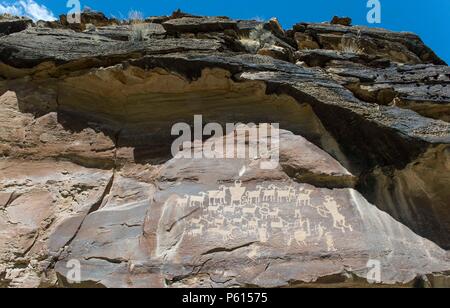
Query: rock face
[
  {"x": 344, "y": 21},
  {"x": 196, "y": 25},
  {"x": 358, "y": 192},
  {"x": 9, "y": 24}
]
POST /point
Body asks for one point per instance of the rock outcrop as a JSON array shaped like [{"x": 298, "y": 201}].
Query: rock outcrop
[
  {"x": 10, "y": 24},
  {"x": 358, "y": 195}
]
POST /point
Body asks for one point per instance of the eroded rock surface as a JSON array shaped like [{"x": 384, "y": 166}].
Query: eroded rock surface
[
  {"x": 88, "y": 177},
  {"x": 10, "y": 24},
  {"x": 210, "y": 224}
]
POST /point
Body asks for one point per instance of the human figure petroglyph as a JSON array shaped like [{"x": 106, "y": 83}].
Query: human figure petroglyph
[
  {"x": 217, "y": 196},
  {"x": 264, "y": 211},
  {"x": 320, "y": 231},
  {"x": 332, "y": 208},
  {"x": 237, "y": 192}
]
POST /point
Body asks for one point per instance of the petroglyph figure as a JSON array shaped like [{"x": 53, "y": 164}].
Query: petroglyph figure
[
  {"x": 264, "y": 211},
  {"x": 304, "y": 198},
  {"x": 320, "y": 231},
  {"x": 214, "y": 209},
  {"x": 232, "y": 211},
  {"x": 269, "y": 195},
  {"x": 275, "y": 213},
  {"x": 301, "y": 235},
  {"x": 332, "y": 208},
  {"x": 238, "y": 221},
  {"x": 217, "y": 196},
  {"x": 220, "y": 221},
  {"x": 330, "y": 242},
  {"x": 254, "y": 197},
  {"x": 253, "y": 224},
  {"x": 225, "y": 234},
  {"x": 292, "y": 195},
  {"x": 183, "y": 202},
  {"x": 263, "y": 237},
  {"x": 196, "y": 232},
  {"x": 249, "y": 211},
  {"x": 198, "y": 200},
  {"x": 284, "y": 195},
  {"x": 277, "y": 224},
  {"x": 196, "y": 221},
  {"x": 214, "y": 229},
  {"x": 237, "y": 192}
]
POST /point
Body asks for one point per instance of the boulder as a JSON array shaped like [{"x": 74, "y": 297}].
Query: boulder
[
  {"x": 305, "y": 41},
  {"x": 396, "y": 46},
  {"x": 344, "y": 21},
  {"x": 275, "y": 52},
  {"x": 422, "y": 88},
  {"x": 94, "y": 18}
]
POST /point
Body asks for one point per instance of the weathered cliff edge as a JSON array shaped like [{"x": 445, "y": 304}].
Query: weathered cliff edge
[{"x": 86, "y": 171}]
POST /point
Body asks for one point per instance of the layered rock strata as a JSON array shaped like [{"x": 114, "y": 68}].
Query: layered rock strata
[{"x": 360, "y": 193}]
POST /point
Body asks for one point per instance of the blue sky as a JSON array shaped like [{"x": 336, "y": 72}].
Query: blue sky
[{"x": 428, "y": 18}]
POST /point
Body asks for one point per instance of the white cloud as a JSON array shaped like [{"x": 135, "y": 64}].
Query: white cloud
[
  {"x": 27, "y": 8},
  {"x": 10, "y": 9}
]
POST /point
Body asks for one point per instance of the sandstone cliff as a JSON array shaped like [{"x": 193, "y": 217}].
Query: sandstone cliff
[{"x": 86, "y": 113}]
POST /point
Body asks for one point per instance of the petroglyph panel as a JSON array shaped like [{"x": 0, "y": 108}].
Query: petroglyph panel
[{"x": 289, "y": 216}]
